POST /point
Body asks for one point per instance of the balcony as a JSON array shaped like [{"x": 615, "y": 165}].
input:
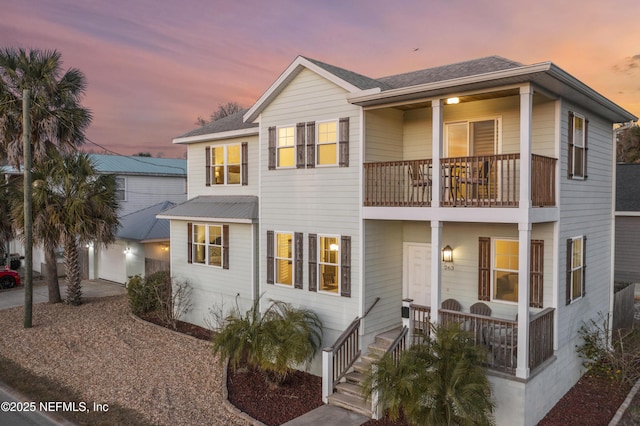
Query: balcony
[{"x": 479, "y": 181}]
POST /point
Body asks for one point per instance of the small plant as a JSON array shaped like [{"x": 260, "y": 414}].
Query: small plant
[
  {"x": 440, "y": 381},
  {"x": 170, "y": 308},
  {"x": 148, "y": 294},
  {"x": 274, "y": 342}
]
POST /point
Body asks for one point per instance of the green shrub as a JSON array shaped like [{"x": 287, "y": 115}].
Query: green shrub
[
  {"x": 147, "y": 294},
  {"x": 274, "y": 342}
]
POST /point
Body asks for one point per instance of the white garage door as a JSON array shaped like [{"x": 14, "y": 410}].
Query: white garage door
[{"x": 111, "y": 263}]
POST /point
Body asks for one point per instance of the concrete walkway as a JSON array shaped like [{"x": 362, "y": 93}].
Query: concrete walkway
[
  {"x": 90, "y": 288},
  {"x": 328, "y": 415}
]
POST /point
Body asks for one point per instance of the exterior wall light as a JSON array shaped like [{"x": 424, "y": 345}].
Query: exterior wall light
[
  {"x": 447, "y": 254},
  {"x": 453, "y": 101},
  {"x": 127, "y": 250}
]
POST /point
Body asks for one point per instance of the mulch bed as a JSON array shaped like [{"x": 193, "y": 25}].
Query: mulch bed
[{"x": 593, "y": 401}]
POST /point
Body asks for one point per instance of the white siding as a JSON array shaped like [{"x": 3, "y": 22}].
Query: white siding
[
  {"x": 145, "y": 191},
  {"x": 321, "y": 200},
  {"x": 383, "y": 135},
  {"x": 212, "y": 287},
  {"x": 196, "y": 164}
]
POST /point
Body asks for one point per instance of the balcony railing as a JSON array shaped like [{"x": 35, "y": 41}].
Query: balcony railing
[{"x": 478, "y": 181}]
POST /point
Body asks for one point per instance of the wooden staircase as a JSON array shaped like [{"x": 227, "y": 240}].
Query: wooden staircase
[{"x": 348, "y": 393}]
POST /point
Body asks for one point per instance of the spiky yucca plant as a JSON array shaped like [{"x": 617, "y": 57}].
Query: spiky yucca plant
[
  {"x": 439, "y": 382},
  {"x": 275, "y": 341}
]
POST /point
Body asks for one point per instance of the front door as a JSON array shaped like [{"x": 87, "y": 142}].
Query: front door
[{"x": 417, "y": 273}]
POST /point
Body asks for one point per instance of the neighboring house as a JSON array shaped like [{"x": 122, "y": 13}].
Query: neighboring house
[
  {"x": 345, "y": 194},
  {"x": 627, "y": 258},
  {"x": 142, "y": 182}
]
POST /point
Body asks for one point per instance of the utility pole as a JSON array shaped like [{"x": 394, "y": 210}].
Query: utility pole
[{"x": 28, "y": 225}]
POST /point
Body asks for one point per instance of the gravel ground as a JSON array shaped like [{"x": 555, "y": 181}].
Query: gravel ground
[{"x": 105, "y": 355}]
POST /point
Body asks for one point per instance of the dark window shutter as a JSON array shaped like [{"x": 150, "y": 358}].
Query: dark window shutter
[
  {"x": 298, "y": 238},
  {"x": 536, "y": 265},
  {"x": 313, "y": 262},
  {"x": 584, "y": 265},
  {"x": 270, "y": 258},
  {"x": 484, "y": 268},
  {"x": 300, "y": 145},
  {"x": 570, "y": 151},
  {"x": 225, "y": 246},
  {"x": 244, "y": 158},
  {"x": 189, "y": 242},
  {"x": 345, "y": 266},
  {"x": 207, "y": 162},
  {"x": 344, "y": 142},
  {"x": 272, "y": 148},
  {"x": 311, "y": 144},
  {"x": 586, "y": 147},
  {"x": 569, "y": 254}
]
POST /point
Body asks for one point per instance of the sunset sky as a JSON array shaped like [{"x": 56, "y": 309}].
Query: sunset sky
[{"x": 154, "y": 66}]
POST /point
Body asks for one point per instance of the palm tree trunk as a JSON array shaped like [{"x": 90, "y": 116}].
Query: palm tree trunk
[
  {"x": 51, "y": 273},
  {"x": 74, "y": 291}
]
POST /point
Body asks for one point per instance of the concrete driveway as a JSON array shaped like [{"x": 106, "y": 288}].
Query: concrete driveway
[{"x": 90, "y": 288}]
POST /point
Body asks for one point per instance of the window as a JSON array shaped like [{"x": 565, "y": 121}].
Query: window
[
  {"x": 284, "y": 258},
  {"x": 225, "y": 165},
  {"x": 576, "y": 268},
  {"x": 577, "y": 160},
  {"x": 505, "y": 270},
  {"x": 286, "y": 146},
  {"x": 208, "y": 245},
  {"x": 471, "y": 138},
  {"x": 329, "y": 264},
  {"x": 121, "y": 189},
  {"x": 327, "y": 143},
  {"x": 498, "y": 269}
]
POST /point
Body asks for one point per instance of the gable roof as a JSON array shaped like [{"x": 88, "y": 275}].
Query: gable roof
[
  {"x": 628, "y": 188},
  {"x": 143, "y": 226},
  {"x": 133, "y": 165},
  {"x": 225, "y": 124}
]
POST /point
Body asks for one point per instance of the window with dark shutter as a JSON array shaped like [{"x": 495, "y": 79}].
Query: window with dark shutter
[
  {"x": 189, "y": 242},
  {"x": 244, "y": 158},
  {"x": 576, "y": 268},
  {"x": 207, "y": 171},
  {"x": 225, "y": 246},
  {"x": 586, "y": 148},
  {"x": 272, "y": 148},
  {"x": 298, "y": 238},
  {"x": 344, "y": 142},
  {"x": 300, "y": 146},
  {"x": 536, "y": 283},
  {"x": 270, "y": 257},
  {"x": 345, "y": 266},
  {"x": 311, "y": 144},
  {"x": 570, "y": 146},
  {"x": 313, "y": 262},
  {"x": 484, "y": 268}
]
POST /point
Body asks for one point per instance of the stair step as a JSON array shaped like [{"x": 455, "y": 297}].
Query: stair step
[
  {"x": 363, "y": 366},
  {"x": 378, "y": 349},
  {"x": 348, "y": 388},
  {"x": 355, "y": 377},
  {"x": 350, "y": 402}
]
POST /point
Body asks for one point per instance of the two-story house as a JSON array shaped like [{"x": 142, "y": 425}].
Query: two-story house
[{"x": 480, "y": 181}]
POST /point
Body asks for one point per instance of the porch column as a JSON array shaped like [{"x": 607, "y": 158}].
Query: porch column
[
  {"x": 436, "y": 269},
  {"x": 526, "y": 107},
  {"x": 524, "y": 255},
  {"x": 436, "y": 151}
]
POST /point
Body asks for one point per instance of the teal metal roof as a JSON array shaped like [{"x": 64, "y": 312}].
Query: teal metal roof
[{"x": 124, "y": 165}]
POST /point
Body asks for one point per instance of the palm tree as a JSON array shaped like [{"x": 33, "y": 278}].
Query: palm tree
[
  {"x": 57, "y": 117},
  {"x": 440, "y": 381},
  {"x": 72, "y": 205}
]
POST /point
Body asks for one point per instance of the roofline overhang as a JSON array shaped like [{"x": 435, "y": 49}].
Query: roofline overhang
[
  {"x": 536, "y": 73},
  {"x": 289, "y": 74},
  {"x": 207, "y": 219},
  {"x": 217, "y": 136}
]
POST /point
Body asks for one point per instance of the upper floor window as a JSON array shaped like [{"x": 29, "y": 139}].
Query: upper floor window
[
  {"x": 327, "y": 143},
  {"x": 471, "y": 138},
  {"x": 121, "y": 189},
  {"x": 575, "y": 268},
  {"x": 286, "y": 146},
  {"x": 226, "y": 164},
  {"x": 577, "y": 156}
]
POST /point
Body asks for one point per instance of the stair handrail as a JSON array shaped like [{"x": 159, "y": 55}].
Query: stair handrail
[
  {"x": 395, "y": 349},
  {"x": 335, "y": 368}
]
